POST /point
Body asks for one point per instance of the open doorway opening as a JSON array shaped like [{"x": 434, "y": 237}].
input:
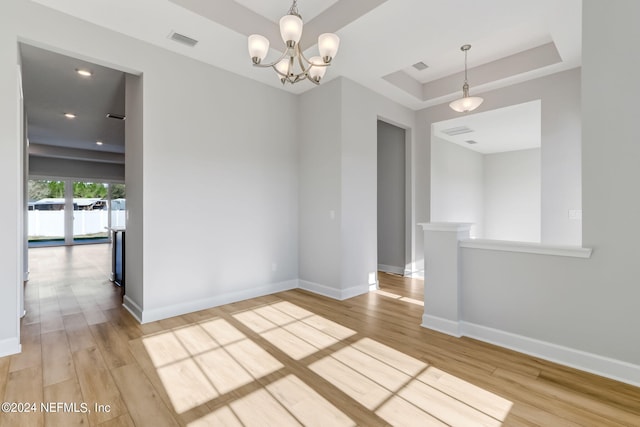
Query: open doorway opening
[
  {"x": 392, "y": 198},
  {"x": 74, "y": 124}
]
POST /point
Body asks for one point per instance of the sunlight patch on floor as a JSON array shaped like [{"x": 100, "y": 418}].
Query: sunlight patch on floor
[
  {"x": 399, "y": 297},
  {"x": 213, "y": 362},
  {"x": 402, "y": 389},
  {"x": 295, "y": 331},
  {"x": 200, "y": 362}
]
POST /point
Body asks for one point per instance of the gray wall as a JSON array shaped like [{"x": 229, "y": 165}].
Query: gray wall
[
  {"x": 589, "y": 305},
  {"x": 512, "y": 196},
  {"x": 80, "y": 169},
  {"x": 457, "y": 185},
  {"x": 560, "y": 147},
  {"x": 320, "y": 181},
  {"x": 238, "y": 180},
  {"x": 11, "y": 176},
  {"x": 338, "y": 172},
  {"x": 391, "y": 197},
  {"x": 134, "y": 180}
]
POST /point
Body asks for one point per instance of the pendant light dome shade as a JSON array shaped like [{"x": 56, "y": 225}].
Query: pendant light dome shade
[{"x": 466, "y": 103}]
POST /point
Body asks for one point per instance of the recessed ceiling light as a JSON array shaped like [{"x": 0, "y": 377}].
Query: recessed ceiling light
[
  {"x": 70, "y": 115},
  {"x": 98, "y": 142},
  {"x": 84, "y": 73}
]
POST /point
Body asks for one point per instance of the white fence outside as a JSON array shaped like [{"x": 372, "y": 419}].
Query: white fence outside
[{"x": 51, "y": 223}]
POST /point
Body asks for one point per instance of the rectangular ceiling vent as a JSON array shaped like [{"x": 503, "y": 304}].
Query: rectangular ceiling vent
[
  {"x": 181, "y": 38},
  {"x": 115, "y": 116},
  {"x": 471, "y": 141},
  {"x": 458, "y": 130},
  {"x": 420, "y": 66}
]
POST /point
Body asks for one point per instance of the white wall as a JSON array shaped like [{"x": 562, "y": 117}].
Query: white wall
[
  {"x": 196, "y": 146},
  {"x": 457, "y": 185},
  {"x": 391, "y": 164},
  {"x": 512, "y": 196}
]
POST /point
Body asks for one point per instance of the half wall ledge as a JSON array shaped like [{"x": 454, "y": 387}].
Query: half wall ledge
[{"x": 527, "y": 247}]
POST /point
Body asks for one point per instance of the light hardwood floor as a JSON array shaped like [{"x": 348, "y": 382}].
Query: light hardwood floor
[{"x": 293, "y": 358}]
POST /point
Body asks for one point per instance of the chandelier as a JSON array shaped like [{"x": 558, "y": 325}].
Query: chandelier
[
  {"x": 293, "y": 66},
  {"x": 466, "y": 103}
]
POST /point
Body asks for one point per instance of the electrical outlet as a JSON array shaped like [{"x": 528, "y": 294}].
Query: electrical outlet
[{"x": 575, "y": 214}]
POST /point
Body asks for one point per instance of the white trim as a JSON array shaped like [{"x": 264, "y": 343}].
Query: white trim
[
  {"x": 589, "y": 362},
  {"x": 446, "y": 226},
  {"x": 527, "y": 247},
  {"x": 441, "y": 324},
  {"x": 154, "y": 314},
  {"x": 133, "y": 308},
  {"x": 391, "y": 269},
  {"x": 319, "y": 289},
  {"x": 10, "y": 346},
  {"x": 338, "y": 294},
  {"x": 354, "y": 291}
]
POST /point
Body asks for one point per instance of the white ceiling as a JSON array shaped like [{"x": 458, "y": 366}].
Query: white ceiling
[
  {"x": 273, "y": 10},
  {"x": 517, "y": 127},
  {"x": 378, "y": 37}
]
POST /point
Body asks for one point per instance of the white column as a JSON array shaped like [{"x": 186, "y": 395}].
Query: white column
[{"x": 442, "y": 308}]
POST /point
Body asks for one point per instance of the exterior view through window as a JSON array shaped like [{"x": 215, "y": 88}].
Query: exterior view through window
[{"x": 68, "y": 212}]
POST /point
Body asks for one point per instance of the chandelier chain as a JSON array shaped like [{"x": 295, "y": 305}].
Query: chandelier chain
[{"x": 293, "y": 10}]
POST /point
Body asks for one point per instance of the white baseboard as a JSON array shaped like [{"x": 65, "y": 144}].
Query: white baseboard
[
  {"x": 319, "y": 289},
  {"x": 589, "y": 362},
  {"x": 578, "y": 359},
  {"x": 354, "y": 291},
  {"x": 151, "y": 315},
  {"x": 133, "y": 308},
  {"x": 10, "y": 346},
  {"x": 440, "y": 324},
  {"x": 339, "y": 294},
  {"x": 390, "y": 269}
]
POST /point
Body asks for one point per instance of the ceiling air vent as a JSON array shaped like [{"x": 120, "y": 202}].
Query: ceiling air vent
[
  {"x": 458, "y": 130},
  {"x": 471, "y": 141},
  {"x": 115, "y": 116},
  {"x": 420, "y": 66},
  {"x": 181, "y": 38}
]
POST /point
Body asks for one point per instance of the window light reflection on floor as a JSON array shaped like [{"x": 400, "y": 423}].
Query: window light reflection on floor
[
  {"x": 399, "y": 297},
  {"x": 221, "y": 364},
  {"x": 297, "y": 332},
  {"x": 197, "y": 363},
  {"x": 395, "y": 385}
]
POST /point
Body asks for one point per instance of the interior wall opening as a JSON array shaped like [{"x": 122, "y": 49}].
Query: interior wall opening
[
  {"x": 486, "y": 169},
  {"x": 392, "y": 198}
]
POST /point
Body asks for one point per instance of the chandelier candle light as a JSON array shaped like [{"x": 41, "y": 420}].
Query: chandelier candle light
[
  {"x": 466, "y": 103},
  {"x": 293, "y": 66}
]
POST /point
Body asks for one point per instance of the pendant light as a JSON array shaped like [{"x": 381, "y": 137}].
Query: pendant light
[{"x": 466, "y": 103}]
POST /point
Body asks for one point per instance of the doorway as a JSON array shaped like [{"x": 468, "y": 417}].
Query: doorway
[{"x": 392, "y": 198}]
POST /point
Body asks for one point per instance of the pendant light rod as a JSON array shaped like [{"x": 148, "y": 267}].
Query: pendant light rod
[{"x": 467, "y": 102}]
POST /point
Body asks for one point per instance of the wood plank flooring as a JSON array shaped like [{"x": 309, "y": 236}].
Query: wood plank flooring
[{"x": 292, "y": 358}]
